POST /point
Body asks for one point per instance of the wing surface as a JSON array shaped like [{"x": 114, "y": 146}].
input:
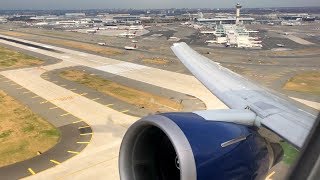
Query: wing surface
[{"x": 289, "y": 119}]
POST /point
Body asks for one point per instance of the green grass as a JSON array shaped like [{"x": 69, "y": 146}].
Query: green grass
[
  {"x": 290, "y": 153},
  {"x": 5, "y": 134},
  {"x": 22, "y": 133},
  {"x": 51, "y": 132}
]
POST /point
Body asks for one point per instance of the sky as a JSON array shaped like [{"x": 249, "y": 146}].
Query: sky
[{"x": 141, "y": 4}]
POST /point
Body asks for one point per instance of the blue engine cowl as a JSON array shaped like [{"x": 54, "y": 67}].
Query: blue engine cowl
[{"x": 186, "y": 146}]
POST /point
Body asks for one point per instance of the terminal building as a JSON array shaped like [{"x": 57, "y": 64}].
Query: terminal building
[{"x": 225, "y": 20}]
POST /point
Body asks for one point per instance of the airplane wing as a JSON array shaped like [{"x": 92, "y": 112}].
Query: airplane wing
[{"x": 290, "y": 120}]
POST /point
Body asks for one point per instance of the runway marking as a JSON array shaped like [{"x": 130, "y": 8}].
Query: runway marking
[
  {"x": 6, "y": 81},
  {"x": 124, "y": 111},
  {"x": 31, "y": 171},
  {"x": 83, "y": 127},
  {"x": 54, "y": 81},
  {"x": 86, "y": 134},
  {"x": 13, "y": 84},
  {"x": 95, "y": 99},
  {"x": 108, "y": 105},
  {"x": 83, "y": 94},
  {"x": 26, "y": 92},
  {"x": 53, "y": 107},
  {"x": 269, "y": 176},
  {"x": 56, "y": 162},
  {"x": 63, "y": 85},
  {"x": 34, "y": 97},
  {"x": 83, "y": 142},
  {"x": 64, "y": 114},
  {"x": 77, "y": 122},
  {"x": 73, "y": 89},
  {"x": 20, "y": 87},
  {"x": 73, "y": 152},
  {"x": 43, "y": 102}
]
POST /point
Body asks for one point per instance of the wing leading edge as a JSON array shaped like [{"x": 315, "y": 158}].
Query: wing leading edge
[{"x": 273, "y": 110}]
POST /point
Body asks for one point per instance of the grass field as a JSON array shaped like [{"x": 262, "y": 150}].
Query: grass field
[
  {"x": 290, "y": 153},
  {"x": 306, "y": 82},
  {"x": 124, "y": 93},
  {"x": 22, "y": 133},
  {"x": 10, "y": 58}
]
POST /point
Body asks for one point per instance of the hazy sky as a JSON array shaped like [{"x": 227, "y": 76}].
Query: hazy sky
[{"x": 104, "y": 4}]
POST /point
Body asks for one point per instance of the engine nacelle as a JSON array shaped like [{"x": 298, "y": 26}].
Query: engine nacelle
[{"x": 186, "y": 146}]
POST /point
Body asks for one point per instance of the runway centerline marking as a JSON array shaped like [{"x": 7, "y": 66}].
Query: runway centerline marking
[
  {"x": 31, "y": 171},
  {"x": 95, "y": 99},
  {"x": 20, "y": 87},
  {"x": 34, "y": 97},
  {"x": 124, "y": 111},
  {"x": 54, "y": 81},
  {"x": 53, "y": 107},
  {"x": 83, "y": 94},
  {"x": 43, "y": 102},
  {"x": 73, "y": 152},
  {"x": 55, "y": 162},
  {"x": 26, "y": 92},
  {"x": 63, "y": 85},
  {"x": 108, "y": 105},
  {"x": 73, "y": 89},
  {"x": 64, "y": 114}
]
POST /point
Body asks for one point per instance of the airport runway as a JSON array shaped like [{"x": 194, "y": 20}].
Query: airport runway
[{"x": 108, "y": 125}]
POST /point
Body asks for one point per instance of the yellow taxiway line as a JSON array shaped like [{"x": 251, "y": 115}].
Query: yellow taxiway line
[
  {"x": 73, "y": 152},
  {"x": 31, "y": 171},
  {"x": 56, "y": 162}
]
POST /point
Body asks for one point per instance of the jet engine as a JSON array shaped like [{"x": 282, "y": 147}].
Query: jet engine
[{"x": 187, "y": 146}]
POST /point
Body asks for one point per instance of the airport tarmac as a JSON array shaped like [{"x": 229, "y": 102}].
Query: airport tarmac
[
  {"x": 100, "y": 156},
  {"x": 189, "y": 103},
  {"x": 108, "y": 125},
  {"x": 68, "y": 125}
]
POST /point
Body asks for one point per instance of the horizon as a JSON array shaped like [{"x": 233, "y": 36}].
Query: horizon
[
  {"x": 144, "y": 4},
  {"x": 81, "y": 9}
]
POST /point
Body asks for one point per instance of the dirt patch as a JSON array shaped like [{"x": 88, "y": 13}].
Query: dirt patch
[
  {"x": 12, "y": 33},
  {"x": 306, "y": 82},
  {"x": 158, "y": 61},
  {"x": 124, "y": 93},
  {"x": 22, "y": 133},
  {"x": 9, "y": 58}
]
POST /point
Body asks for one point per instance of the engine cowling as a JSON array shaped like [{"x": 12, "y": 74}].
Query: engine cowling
[{"x": 186, "y": 146}]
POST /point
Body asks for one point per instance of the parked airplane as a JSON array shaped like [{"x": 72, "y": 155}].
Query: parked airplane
[{"x": 214, "y": 144}]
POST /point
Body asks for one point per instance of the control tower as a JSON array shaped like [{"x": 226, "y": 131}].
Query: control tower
[{"x": 238, "y": 7}]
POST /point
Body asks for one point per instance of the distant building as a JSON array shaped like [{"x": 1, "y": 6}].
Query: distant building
[
  {"x": 75, "y": 14},
  {"x": 225, "y": 20},
  {"x": 3, "y": 20}
]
